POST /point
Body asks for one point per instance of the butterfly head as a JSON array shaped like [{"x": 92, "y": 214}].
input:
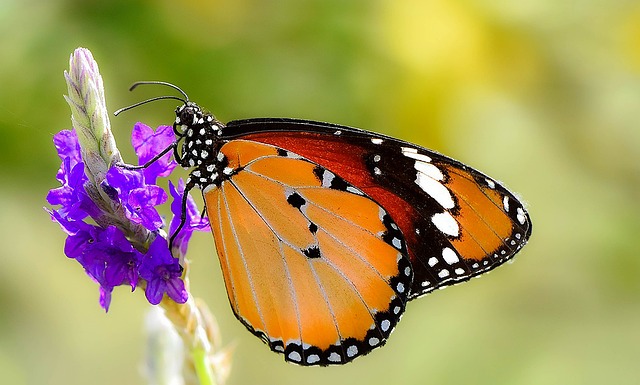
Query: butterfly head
[{"x": 191, "y": 116}]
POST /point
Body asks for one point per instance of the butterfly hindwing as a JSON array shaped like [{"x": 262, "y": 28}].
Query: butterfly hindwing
[
  {"x": 312, "y": 264},
  {"x": 456, "y": 221}
]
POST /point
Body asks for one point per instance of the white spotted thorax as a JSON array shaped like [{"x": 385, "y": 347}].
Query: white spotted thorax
[{"x": 200, "y": 150}]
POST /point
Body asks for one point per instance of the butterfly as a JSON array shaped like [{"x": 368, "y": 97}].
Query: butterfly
[{"x": 324, "y": 232}]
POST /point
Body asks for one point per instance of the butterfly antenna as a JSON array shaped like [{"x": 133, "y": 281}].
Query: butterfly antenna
[
  {"x": 136, "y": 84},
  {"x": 148, "y": 101}
]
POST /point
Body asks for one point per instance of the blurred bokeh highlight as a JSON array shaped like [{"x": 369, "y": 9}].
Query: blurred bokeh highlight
[{"x": 542, "y": 95}]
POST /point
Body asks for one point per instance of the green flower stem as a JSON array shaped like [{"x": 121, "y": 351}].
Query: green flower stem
[{"x": 202, "y": 368}]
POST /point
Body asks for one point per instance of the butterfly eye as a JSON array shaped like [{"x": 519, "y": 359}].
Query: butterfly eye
[{"x": 186, "y": 116}]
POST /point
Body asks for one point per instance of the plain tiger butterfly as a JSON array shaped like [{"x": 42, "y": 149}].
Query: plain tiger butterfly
[{"x": 325, "y": 232}]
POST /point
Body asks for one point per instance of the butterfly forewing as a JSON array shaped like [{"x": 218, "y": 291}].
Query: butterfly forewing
[
  {"x": 312, "y": 264},
  {"x": 457, "y": 222}
]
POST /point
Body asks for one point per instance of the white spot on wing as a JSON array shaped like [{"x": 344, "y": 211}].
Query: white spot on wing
[
  {"x": 327, "y": 178},
  {"x": 429, "y": 170},
  {"x": 413, "y": 154},
  {"x": 443, "y": 273},
  {"x": 520, "y": 216},
  {"x": 376, "y": 140},
  {"x": 446, "y": 223},
  {"x": 436, "y": 190},
  {"x": 450, "y": 256},
  {"x": 354, "y": 190},
  {"x": 295, "y": 356},
  {"x": 505, "y": 202}
]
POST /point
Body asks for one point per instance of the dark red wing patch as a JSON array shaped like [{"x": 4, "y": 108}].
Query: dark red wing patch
[{"x": 457, "y": 222}]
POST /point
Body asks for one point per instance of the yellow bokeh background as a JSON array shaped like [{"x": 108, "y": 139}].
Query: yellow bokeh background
[{"x": 542, "y": 95}]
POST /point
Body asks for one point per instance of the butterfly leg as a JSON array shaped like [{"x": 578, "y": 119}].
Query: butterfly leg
[{"x": 152, "y": 160}]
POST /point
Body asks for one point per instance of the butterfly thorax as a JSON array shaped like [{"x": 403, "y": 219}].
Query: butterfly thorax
[{"x": 201, "y": 146}]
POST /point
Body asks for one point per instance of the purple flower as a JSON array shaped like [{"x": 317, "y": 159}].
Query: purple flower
[
  {"x": 163, "y": 274},
  {"x": 71, "y": 195},
  {"x": 138, "y": 198},
  {"x": 104, "y": 250},
  {"x": 148, "y": 144},
  {"x": 106, "y": 256},
  {"x": 193, "y": 219}
]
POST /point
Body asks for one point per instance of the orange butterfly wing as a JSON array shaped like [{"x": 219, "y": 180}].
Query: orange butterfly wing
[
  {"x": 312, "y": 265},
  {"x": 457, "y": 222}
]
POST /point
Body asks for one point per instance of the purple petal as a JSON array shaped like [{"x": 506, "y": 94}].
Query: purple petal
[
  {"x": 68, "y": 226},
  {"x": 124, "y": 180},
  {"x": 137, "y": 197},
  {"x": 163, "y": 273},
  {"x": 71, "y": 178},
  {"x": 150, "y": 195},
  {"x": 121, "y": 258},
  {"x": 67, "y": 145},
  {"x": 83, "y": 238},
  {"x": 140, "y": 204},
  {"x": 147, "y": 144},
  {"x": 105, "y": 298},
  {"x": 155, "y": 291},
  {"x": 176, "y": 290},
  {"x": 76, "y": 245},
  {"x": 151, "y": 219}
]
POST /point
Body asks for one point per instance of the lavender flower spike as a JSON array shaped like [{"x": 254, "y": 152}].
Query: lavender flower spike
[
  {"x": 113, "y": 228},
  {"x": 89, "y": 115},
  {"x": 97, "y": 145}
]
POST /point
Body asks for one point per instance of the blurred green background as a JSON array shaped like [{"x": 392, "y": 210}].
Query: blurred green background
[{"x": 544, "y": 95}]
